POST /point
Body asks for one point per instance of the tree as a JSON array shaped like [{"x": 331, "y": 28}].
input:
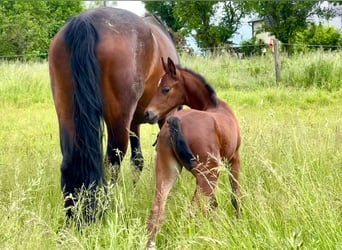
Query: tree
[
  {"x": 60, "y": 12},
  {"x": 165, "y": 10},
  {"x": 27, "y": 27},
  {"x": 213, "y": 23},
  {"x": 196, "y": 17},
  {"x": 285, "y": 18}
]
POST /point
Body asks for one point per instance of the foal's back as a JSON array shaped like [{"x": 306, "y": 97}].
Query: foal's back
[{"x": 208, "y": 133}]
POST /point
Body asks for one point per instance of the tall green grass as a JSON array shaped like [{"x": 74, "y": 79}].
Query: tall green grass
[
  {"x": 291, "y": 174},
  {"x": 319, "y": 69},
  {"x": 24, "y": 84},
  {"x": 316, "y": 69}
]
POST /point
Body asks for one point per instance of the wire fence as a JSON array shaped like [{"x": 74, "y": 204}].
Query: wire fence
[
  {"x": 268, "y": 45},
  {"x": 29, "y": 55},
  {"x": 230, "y": 49},
  {"x": 247, "y": 50},
  {"x": 286, "y": 44}
]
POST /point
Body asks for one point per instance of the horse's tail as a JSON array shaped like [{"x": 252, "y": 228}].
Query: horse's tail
[
  {"x": 179, "y": 144},
  {"x": 82, "y": 37}
]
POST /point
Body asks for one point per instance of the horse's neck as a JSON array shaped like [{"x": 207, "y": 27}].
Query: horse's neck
[{"x": 197, "y": 95}]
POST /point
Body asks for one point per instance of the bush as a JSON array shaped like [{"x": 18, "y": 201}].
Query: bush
[
  {"x": 318, "y": 36},
  {"x": 252, "y": 47}
]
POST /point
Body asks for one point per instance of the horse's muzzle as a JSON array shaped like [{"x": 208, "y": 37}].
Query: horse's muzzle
[{"x": 151, "y": 117}]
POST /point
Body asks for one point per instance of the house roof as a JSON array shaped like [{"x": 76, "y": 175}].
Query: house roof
[
  {"x": 267, "y": 20},
  {"x": 256, "y": 19}
]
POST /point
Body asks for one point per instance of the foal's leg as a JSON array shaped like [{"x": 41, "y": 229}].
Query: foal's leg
[
  {"x": 234, "y": 182},
  {"x": 167, "y": 170},
  {"x": 206, "y": 180}
]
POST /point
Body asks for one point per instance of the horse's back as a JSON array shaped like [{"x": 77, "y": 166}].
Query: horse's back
[
  {"x": 128, "y": 52},
  {"x": 123, "y": 49}
]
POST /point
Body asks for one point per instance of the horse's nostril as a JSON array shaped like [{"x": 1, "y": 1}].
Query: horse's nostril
[
  {"x": 147, "y": 115},
  {"x": 150, "y": 117}
]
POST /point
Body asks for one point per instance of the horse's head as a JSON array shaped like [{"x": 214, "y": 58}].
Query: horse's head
[{"x": 170, "y": 93}]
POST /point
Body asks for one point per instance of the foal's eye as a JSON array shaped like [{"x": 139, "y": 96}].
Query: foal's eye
[{"x": 166, "y": 90}]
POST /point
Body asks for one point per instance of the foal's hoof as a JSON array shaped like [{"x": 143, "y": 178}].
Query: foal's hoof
[{"x": 151, "y": 246}]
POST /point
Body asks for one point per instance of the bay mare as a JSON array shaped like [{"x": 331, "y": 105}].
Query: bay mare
[{"x": 104, "y": 65}]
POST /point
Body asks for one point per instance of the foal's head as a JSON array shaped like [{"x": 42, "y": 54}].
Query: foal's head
[
  {"x": 177, "y": 87},
  {"x": 170, "y": 93}
]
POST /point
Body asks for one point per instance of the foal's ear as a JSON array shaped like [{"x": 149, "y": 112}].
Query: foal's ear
[
  {"x": 171, "y": 67},
  {"x": 164, "y": 65}
]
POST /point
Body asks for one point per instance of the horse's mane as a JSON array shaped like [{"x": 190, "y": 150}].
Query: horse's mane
[
  {"x": 154, "y": 19},
  {"x": 210, "y": 89}
]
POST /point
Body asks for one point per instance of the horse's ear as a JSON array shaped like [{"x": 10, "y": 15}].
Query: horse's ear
[
  {"x": 171, "y": 66},
  {"x": 164, "y": 65}
]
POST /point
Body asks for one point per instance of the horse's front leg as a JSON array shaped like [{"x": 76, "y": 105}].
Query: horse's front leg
[{"x": 137, "y": 158}]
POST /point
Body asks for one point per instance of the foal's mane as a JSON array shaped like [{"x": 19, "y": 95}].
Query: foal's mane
[{"x": 208, "y": 87}]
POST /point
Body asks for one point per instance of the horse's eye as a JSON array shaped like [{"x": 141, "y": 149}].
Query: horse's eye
[{"x": 166, "y": 90}]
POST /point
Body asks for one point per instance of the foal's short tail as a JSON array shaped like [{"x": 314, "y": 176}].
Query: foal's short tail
[
  {"x": 82, "y": 38},
  {"x": 179, "y": 144}
]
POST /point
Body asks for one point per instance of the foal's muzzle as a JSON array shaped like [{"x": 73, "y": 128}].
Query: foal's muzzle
[{"x": 151, "y": 117}]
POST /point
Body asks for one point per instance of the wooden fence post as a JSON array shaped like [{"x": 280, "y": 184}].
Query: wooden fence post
[{"x": 277, "y": 60}]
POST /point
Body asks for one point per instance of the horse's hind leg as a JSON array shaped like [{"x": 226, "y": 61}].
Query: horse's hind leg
[
  {"x": 167, "y": 170},
  {"x": 234, "y": 182},
  {"x": 206, "y": 180},
  {"x": 118, "y": 113},
  {"x": 67, "y": 151},
  {"x": 116, "y": 148}
]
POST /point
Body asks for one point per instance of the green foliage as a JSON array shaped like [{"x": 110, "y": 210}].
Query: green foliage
[
  {"x": 327, "y": 38},
  {"x": 196, "y": 16},
  {"x": 252, "y": 47},
  {"x": 27, "y": 27},
  {"x": 199, "y": 18},
  {"x": 285, "y": 18}
]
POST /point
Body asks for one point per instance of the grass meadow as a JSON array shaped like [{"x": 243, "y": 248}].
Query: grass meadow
[{"x": 291, "y": 173}]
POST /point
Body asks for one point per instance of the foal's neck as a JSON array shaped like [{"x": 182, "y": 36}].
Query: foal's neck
[{"x": 197, "y": 94}]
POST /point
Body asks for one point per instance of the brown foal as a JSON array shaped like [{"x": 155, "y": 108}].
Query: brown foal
[{"x": 198, "y": 139}]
